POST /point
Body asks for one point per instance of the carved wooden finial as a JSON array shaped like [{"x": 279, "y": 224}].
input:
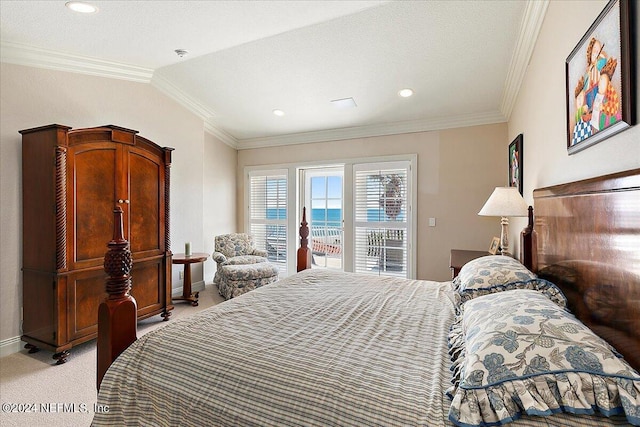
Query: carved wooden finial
[
  {"x": 117, "y": 316},
  {"x": 528, "y": 244},
  {"x": 304, "y": 229},
  {"x": 117, "y": 260},
  {"x": 304, "y": 253}
]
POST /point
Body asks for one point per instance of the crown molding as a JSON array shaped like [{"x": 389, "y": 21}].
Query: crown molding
[
  {"x": 373, "y": 130},
  {"x": 19, "y": 54},
  {"x": 173, "y": 92},
  {"x": 207, "y": 115},
  {"x": 196, "y": 107},
  {"x": 221, "y": 134},
  {"x": 531, "y": 24}
]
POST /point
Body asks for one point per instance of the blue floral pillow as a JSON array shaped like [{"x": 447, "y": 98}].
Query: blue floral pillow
[
  {"x": 516, "y": 352},
  {"x": 488, "y": 271}
]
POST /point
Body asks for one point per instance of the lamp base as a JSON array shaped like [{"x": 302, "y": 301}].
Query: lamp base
[{"x": 504, "y": 236}]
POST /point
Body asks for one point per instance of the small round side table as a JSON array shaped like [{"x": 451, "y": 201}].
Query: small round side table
[{"x": 194, "y": 258}]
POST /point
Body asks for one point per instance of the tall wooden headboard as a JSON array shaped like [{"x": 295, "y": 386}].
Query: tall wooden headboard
[{"x": 589, "y": 245}]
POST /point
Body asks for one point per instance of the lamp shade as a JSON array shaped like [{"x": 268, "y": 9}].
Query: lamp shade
[{"x": 505, "y": 201}]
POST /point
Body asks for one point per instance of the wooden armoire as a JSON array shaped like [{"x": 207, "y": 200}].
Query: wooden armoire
[{"x": 71, "y": 182}]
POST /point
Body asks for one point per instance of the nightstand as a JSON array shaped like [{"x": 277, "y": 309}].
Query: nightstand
[
  {"x": 460, "y": 257},
  {"x": 187, "y": 260}
]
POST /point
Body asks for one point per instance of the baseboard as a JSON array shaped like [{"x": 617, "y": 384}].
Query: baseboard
[
  {"x": 14, "y": 345},
  {"x": 10, "y": 346},
  {"x": 195, "y": 287}
]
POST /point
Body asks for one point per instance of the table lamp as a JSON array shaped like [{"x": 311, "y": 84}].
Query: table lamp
[{"x": 504, "y": 202}]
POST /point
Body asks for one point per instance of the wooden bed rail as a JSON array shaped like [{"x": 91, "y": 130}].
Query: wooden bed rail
[
  {"x": 304, "y": 253},
  {"x": 117, "y": 316},
  {"x": 529, "y": 244}
]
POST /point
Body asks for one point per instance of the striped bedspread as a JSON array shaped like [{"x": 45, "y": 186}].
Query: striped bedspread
[{"x": 319, "y": 348}]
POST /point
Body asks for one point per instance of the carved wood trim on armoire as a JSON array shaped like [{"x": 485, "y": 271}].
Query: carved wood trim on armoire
[{"x": 71, "y": 182}]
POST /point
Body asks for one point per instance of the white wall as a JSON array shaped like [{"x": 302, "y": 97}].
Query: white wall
[
  {"x": 540, "y": 115},
  {"x": 33, "y": 97},
  {"x": 219, "y": 177}
]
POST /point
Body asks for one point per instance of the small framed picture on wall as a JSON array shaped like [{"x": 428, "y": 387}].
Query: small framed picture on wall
[{"x": 515, "y": 163}]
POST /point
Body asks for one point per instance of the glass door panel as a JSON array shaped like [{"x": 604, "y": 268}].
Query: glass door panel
[{"x": 324, "y": 194}]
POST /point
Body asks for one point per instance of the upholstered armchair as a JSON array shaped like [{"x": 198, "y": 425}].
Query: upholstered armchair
[
  {"x": 235, "y": 249},
  {"x": 241, "y": 267}
]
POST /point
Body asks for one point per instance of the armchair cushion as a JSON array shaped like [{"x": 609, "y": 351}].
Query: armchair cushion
[
  {"x": 260, "y": 253},
  {"x": 245, "y": 259},
  {"x": 237, "y": 279}
]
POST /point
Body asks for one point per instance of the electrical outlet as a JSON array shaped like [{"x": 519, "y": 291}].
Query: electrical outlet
[{"x": 181, "y": 275}]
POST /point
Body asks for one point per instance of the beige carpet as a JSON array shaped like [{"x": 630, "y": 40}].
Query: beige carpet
[{"x": 32, "y": 382}]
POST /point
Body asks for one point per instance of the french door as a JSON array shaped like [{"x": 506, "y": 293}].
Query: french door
[
  {"x": 324, "y": 198},
  {"x": 360, "y": 214}
]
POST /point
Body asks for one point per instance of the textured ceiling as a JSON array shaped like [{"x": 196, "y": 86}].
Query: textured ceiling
[{"x": 248, "y": 58}]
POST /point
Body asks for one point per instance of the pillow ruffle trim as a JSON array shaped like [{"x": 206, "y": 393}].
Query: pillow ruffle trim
[
  {"x": 456, "y": 353},
  {"x": 546, "y": 394},
  {"x": 542, "y": 395}
]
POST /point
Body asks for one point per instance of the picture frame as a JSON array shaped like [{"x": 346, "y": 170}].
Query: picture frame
[
  {"x": 516, "y": 163},
  {"x": 494, "y": 246},
  {"x": 598, "y": 73}
]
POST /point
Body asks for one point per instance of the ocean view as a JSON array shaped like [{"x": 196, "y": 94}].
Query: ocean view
[{"x": 332, "y": 217}]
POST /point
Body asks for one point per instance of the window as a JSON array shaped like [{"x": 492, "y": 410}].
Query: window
[
  {"x": 268, "y": 214},
  {"x": 382, "y": 218}
]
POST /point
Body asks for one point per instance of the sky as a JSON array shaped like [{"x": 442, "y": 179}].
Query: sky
[{"x": 326, "y": 192}]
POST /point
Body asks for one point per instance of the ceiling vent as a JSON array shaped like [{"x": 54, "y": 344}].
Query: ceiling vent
[{"x": 344, "y": 103}]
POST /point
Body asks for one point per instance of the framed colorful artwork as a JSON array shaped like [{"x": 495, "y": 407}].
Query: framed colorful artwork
[
  {"x": 598, "y": 72},
  {"x": 515, "y": 163}
]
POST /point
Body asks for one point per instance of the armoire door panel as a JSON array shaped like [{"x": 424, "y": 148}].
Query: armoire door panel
[
  {"x": 145, "y": 201},
  {"x": 85, "y": 292},
  {"x": 144, "y": 286},
  {"x": 93, "y": 192}
]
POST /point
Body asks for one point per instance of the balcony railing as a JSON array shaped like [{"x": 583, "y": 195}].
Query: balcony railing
[{"x": 326, "y": 240}]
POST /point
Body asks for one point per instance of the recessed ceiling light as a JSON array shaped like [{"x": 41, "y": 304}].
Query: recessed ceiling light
[
  {"x": 80, "y": 6},
  {"x": 405, "y": 93},
  {"x": 278, "y": 113}
]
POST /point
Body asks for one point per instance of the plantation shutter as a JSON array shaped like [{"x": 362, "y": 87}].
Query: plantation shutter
[
  {"x": 268, "y": 214},
  {"x": 382, "y": 218}
]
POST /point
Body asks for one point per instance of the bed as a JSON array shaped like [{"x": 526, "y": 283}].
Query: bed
[{"x": 324, "y": 348}]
